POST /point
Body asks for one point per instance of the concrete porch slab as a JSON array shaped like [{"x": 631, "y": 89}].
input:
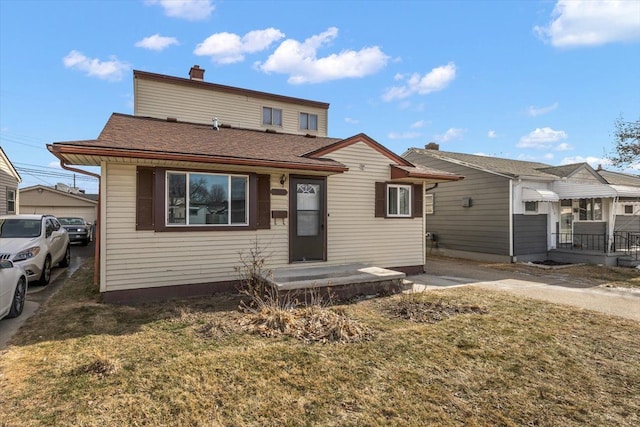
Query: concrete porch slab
[{"x": 331, "y": 276}]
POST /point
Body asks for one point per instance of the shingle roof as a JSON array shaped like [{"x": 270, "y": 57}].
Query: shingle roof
[
  {"x": 619, "y": 178},
  {"x": 564, "y": 170},
  {"x": 133, "y": 136},
  {"x": 508, "y": 167}
]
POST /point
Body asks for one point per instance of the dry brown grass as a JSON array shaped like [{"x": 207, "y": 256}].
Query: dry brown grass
[{"x": 189, "y": 363}]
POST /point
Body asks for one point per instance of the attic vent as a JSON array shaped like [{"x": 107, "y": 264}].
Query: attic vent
[
  {"x": 309, "y": 136},
  {"x": 172, "y": 119},
  {"x": 270, "y": 131}
]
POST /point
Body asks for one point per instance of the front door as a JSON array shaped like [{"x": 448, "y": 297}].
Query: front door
[
  {"x": 566, "y": 222},
  {"x": 308, "y": 213}
]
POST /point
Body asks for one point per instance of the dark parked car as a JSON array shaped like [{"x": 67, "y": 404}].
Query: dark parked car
[{"x": 79, "y": 230}]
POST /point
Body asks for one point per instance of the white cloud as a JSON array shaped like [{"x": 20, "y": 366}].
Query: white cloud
[
  {"x": 55, "y": 165},
  {"x": 111, "y": 70},
  {"x": 435, "y": 80},
  {"x": 229, "y": 48},
  {"x": 563, "y": 147},
  {"x": 450, "y": 135},
  {"x": 542, "y": 138},
  {"x": 404, "y": 135},
  {"x": 492, "y": 134},
  {"x": 191, "y": 10},
  {"x": 591, "y": 23},
  {"x": 156, "y": 42},
  {"x": 351, "y": 121},
  {"x": 539, "y": 111},
  {"x": 301, "y": 62},
  {"x": 548, "y": 156},
  {"x": 417, "y": 125}
]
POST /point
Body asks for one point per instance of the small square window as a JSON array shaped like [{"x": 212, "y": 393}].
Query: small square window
[
  {"x": 628, "y": 209},
  {"x": 271, "y": 116},
  {"x": 399, "y": 200},
  {"x": 531, "y": 207},
  {"x": 308, "y": 121}
]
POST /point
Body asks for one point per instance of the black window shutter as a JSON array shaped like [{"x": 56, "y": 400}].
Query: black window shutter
[
  {"x": 264, "y": 202},
  {"x": 144, "y": 198},
  {"x": 417, "y": 200},
  {"x": 381, "y": 200}
]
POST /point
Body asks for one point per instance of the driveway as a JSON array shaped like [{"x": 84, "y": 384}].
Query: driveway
[
  {"x": 547, "y": 285},
  {"x": 37, "y": 294}
]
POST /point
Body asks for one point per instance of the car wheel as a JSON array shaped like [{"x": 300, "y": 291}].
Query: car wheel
[
  {"x": 18, "y": 299},
  {"x": 46, "y": 272},
  {"x": 64, "y": 262}
]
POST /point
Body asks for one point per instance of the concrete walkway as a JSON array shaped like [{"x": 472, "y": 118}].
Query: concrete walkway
[{"x": 551, "y": 287}]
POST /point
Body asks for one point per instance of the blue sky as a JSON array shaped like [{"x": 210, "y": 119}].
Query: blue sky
[{"x": 531, "y": 80}]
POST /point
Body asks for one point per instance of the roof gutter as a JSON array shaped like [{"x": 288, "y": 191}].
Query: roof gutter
[{"x": 96, "y": 254}]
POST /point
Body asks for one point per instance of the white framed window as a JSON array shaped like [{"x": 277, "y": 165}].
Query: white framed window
[
  {"x": 11, "y": 200},
  {"x": 206, "y": 199},
  {"x": 428, "y": 204},
  {"x": 398, "y": 200},
  {"x": 308, "y": 121},
  {"x": 530, "y": 207},
  {"x": 271, "y": 116},
  {"x": 590, "y": 209}
]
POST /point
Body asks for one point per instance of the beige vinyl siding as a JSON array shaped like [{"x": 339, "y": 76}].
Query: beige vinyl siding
[
  {"x": 354, "y": 234},
  {"x": 143, "y": 259},
  {"x": 196, "y": 105},
  {"x": 54, "y": 203},
  {"x": 7, "y": 181}
]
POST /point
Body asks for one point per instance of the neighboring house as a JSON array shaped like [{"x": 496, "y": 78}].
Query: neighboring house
[
  {"x": 509, "y": 210},
  {"x": 9, "y": 180},
  {"x": 202, "y": 173},
  {"x": 627, "y": 209},
  {"x": 40, "y": 199}
]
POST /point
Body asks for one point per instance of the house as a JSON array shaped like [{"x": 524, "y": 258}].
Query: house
[
  {"x": 510, "y": 210},
  {"x": 203, "y": 172},
  {"x": 9, "y": 180},
  {"x": 41, "y": 199},
  {"x": 627, "y": 208}
]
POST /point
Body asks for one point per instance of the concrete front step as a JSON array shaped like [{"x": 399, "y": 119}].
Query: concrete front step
[
  {"x": 341, "y": 281},
  {"x": 627, "y": 262}
]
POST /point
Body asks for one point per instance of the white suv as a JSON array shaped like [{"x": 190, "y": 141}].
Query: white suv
[{"x": 35, "y": 242}]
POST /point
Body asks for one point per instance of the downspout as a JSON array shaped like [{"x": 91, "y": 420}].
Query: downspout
[
  {"x": 424, "y": 215},
  {"x": 96, "y": 254},
  {"x": 511, "y": 257}
]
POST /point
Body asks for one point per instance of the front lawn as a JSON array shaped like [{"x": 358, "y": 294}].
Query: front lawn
[{"x": 462, "y": 356}]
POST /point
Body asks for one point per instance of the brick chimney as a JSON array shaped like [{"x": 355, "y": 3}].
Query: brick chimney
[
  {"x": 196, "y": 73},
  {"x": 432, "y": 146}
]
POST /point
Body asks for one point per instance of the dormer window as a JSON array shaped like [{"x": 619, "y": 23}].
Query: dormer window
[
  {"x": 308, "y": 121},
  {"x": 271, "y": 116}
]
